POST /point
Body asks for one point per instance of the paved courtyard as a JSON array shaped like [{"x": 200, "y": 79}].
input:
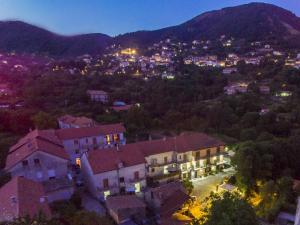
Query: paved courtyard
[{"x": 203, "y": 187}]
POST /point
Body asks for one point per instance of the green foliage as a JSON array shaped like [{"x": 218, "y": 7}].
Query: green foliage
[
  {"x": 229, "y": 209},
  {"x": 188, "y": 185},
  {"x": 44, "y": 120},
  {"x": 274, "y": 196}
]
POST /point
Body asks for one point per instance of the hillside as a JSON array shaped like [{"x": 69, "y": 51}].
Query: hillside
[
  {"x": 254, "y": 21},
  {"x": 250, "y": 22},
  {"x": 22, "y": 37}
]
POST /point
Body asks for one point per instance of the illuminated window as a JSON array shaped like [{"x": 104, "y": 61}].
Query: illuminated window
[
  {"x": 78, "y": 162},
  {"x": 137, "y": 187},
  {"x": 106, "y": 194},
  {"x": 108, "y": 139},
  {"x": 116, "y": 138}
]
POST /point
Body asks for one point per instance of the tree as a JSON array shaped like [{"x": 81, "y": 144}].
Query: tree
[
  {"x": 229, "y": 209},
  {"x": 188, "y": 185},
  {"x": 43, "y": 120}
]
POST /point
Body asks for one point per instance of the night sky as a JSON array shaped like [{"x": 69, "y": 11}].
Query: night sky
[{"x": 115, "y": 16}]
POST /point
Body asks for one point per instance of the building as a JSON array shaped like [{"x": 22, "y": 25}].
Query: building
[
  {"x": 112, "y": 171},
  {"x": 21, "y": 197},
  {"x": 126, "y": 208},
  {"x": 232, "y": 89},
  {"x": 40, "y": 156},
  {"x": 68, "y": 121},
  {"x": 264, "y": 89},
  {"x": 77, "y": 141},
  {"x": 98, "y": 96},
  {"x": 187, "y": 156},
  {"x": 166, "y": 200},
  {"x": 228, "y": 71}
]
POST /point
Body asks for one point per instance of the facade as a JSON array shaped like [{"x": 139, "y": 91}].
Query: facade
[
  {"x": 21, "y": 197},
  {"x": 40, "y": 157},
  {"x": 68, "y": 121},
  {"x": 187, "y": 156},
  {"x": 98, "y": 96},
  {"x": 77, "y": 141},
  {"x": 124, "y": 168},
  {"x": 124, "y": 208},
  {"x": 113, "y": 171}
]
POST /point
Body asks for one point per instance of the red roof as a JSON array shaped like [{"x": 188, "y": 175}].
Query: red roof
[
  {"x": 182, "y": 143},
  {"x": 124, "y": 202},
  {"x": 37, "y": 140},
  {"x": 73, "y": 133},
  {"x": 105, "y": 160},
  {"x": 21, "y": 197}
]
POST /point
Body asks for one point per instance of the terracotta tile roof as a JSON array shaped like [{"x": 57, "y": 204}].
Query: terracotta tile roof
[
  {"x": 173, "y": 203},
  {"x": 74, "y": 133},
  {"x": 79, "y": 121},
  {"x": 124, "y": 202},
  {"x": 182, "y": 143},
  {"x": 105, "y": 160},
  {"x": 164, "y": 191},
  {"x": 37, "y": 140},
  {"x": 21, "y": 197}
]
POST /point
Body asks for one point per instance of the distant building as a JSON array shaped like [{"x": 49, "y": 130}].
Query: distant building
[
  {"x": 120, "y": 106},
  {"x": 228, "y": 71},
  {"x": 40, "y": 156},
  {"x": 21, "y": 197},
  {"x": 235, "y": 88},
  {"x": 264, "y": 89},
  {"x": 113, "y": 171},
  {"x": 125, "y": 208},
  {"x": 98, "y": 96},
  {"x": 68, "y": 121},
  {"x": 77, "y": 141}
]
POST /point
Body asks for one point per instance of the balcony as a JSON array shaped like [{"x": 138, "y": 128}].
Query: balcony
[{"x": 161, "y": 164}]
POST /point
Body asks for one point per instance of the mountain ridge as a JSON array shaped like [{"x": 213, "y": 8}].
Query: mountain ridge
[{"x": 252, "y": 21}]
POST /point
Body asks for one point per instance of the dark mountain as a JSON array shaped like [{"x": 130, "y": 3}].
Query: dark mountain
[
  {"x": 250, "y": 22},
  {"x": 22, "y": 37},
  {"x": 254, "y": 21}
]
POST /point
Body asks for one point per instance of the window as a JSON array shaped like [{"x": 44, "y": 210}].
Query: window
[
  {"x": 77, "y": 151},
  {"x": 94, "y": 141},
  {"x": 51, "y": 174},
  {"x": 208, "y": 152},
  {"x": 86, "y": 140},
  {"x": 76, "y": 142},
  {"x": 153, "y": 161},
  {"x": 218, "y": 150},
  {"x": 108, "y": 140},
  {"x": 116, "y": 137},
  {"x": 25, "y": 162},
  {"x": 197, "y": 155},
  {"x": 166, "y": 159},
  {"x": 153, "y": 170},
  {"x": 105, "y": 183},
  {"x": 185, "y": 157},
  {"x": 136, "y": 175},
  {"x": 180, "y": 157},
  {"x": 122, "y": 179},
  {"x": 36, "y": 161}
]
